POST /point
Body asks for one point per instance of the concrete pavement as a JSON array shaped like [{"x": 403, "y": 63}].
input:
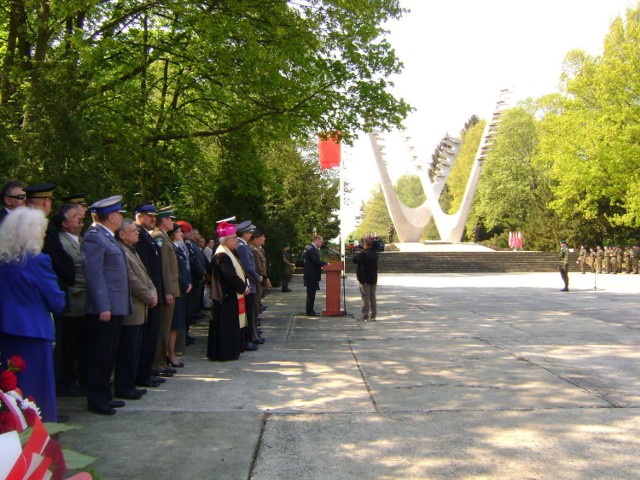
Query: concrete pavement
[{"x": 462, "y": 376}]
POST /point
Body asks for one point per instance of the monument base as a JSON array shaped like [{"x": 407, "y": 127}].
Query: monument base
[{"x": 440, "y": 246}]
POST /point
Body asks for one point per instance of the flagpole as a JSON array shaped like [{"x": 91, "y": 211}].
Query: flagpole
[{"x": 341, "y": 217}]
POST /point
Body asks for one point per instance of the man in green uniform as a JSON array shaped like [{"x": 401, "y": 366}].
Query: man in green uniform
[{"x": 564, "y": 265}]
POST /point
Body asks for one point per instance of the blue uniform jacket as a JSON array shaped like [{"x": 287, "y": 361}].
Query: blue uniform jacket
[
  {"x": 248, "y": 264},
  {"x": 105, "y": 271},
  {"x": 28, "y": 293}
]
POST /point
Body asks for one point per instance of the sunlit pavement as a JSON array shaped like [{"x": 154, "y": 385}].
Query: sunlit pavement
[{"x": 462, "y": 376}]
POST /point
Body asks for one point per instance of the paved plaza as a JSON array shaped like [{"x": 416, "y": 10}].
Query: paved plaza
[{"x": 463, "y": 376}]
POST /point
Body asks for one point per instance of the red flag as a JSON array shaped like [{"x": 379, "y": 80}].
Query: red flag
[{"x": 329, "y": 151}]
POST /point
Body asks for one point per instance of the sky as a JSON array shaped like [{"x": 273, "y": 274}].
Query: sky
[{"x": 458, "y": 55}]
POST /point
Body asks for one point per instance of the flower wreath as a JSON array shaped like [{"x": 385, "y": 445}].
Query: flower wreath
[{"x": 41, "y": 456}]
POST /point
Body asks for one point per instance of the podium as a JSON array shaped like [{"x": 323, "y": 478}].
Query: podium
[{"x": 333, "y": 275}]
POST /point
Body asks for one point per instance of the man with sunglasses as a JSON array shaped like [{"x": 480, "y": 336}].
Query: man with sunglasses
[{"x": 13, "y": 196}]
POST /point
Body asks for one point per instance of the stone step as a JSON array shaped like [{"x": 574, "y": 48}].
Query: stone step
[{"x": 466, "y": 262}]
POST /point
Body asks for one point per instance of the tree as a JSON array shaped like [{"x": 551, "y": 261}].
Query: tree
[
  {"x": 591, "y": 136},
  {"x": 515, "y": 192},
  {"x": 132, "y": 77},
  {"x": 461, "y": 170},
  {"x": 375, "y": 217}
]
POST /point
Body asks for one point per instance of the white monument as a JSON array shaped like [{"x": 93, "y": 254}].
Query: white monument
[{"x": 411, "y": 222}]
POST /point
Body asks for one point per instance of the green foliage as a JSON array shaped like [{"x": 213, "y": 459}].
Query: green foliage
[
  {"x": 591, "y": 137},
  {"x": 376, "y": 217},
  {"x": 461, "y": 169},
  {"x": 409, "y": 191},
  {"x": 187, "y": 102}
]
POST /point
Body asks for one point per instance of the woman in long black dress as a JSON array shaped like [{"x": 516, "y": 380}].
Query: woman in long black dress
[{"x": 229, "y": 287}]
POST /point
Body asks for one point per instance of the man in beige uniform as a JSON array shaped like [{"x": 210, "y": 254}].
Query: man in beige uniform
[
  {"x": 171, "y": 281},
  {"x": 257, "y": 241}
]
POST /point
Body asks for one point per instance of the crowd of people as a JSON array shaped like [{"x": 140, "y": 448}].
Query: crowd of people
[
  {"x": 609, "y": 259},
  {"x": 123, "y": 294}
]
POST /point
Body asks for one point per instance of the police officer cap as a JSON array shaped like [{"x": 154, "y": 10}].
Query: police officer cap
[
  {"x": 75, "y": 198},
  {"x": 563, "y": 241},
  {"x": 108, "y": 205},
  {"x": 244, "y": 227},
  {"x": 257, "y": 232},
  {"x": 40, "y": 190},
  {"x": 166, "y": 212},
  {"x": 147, "y": 207}
]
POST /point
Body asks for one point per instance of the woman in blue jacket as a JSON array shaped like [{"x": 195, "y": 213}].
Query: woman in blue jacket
[{"x": 29, "y": 293}]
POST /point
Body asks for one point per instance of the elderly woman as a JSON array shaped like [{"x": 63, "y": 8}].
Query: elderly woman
[
  {"x": 143, "y": 296},
  {"x": 179, "y": 322},
  {"x": 29, "y": 293},
  {"x": 228, "y": 290}
]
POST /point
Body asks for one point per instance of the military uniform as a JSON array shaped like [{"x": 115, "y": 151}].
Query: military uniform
[
  {"x": 564, "y": 264},
  {"x": 635, "y": 255},
  {"x": 287, "y": 267},
  {"x": 260, "y": 260},
  {"x": 171, "y": 286},
  {"x": 582, "y": 258},
  {"x": 599, "y": 259}
]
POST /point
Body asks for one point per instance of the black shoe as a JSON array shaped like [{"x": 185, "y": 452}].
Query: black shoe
[
  {"x": 190, "y": 340},
  {"x": 158, "y": 379},
  {"x": 71, "y": 391},
  {"x": 287, "y": 290},
  {"x": 260, "y": 341},
  {"x": 104, "y": 410},
  {"x": 137, "y": 394},
  {"x": 565, "y": 289},
  {"x": 250, "y": 347},
  {"x": 312, "y": 314},
  {"x": 149, "y": 383},
  {"x": 163, "y": 373},
  {"x": 116, "y": 403},
  {"x": 176, "y": 365},
  {"x": 170, "y": 370}
]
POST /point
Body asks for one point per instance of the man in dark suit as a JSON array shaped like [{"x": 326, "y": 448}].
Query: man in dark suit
[
  {"x": 197, "y": 270},
  {"x": 12, "y": 196},
  {"x": 40, "y": 196},
  {"x": 149, "y": 253},
  {"x": 108, "y": 301},
  {"x": 312, "y": 273},
  {"x": 71, "y": 344}
]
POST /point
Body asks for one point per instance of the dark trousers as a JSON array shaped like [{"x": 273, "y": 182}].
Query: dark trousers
[
  {"x": 57, "y": 349},
  {"x": 312, "y": 288},
  {"x": 249, "y": 301},
  {"x": 564, "y": 273},
  {"x": 149, "y": 343},
  {"x": 73, "y": 348},
  {"x": 127, "y": 359},
  {"x": 102, "y": 344},
  {"x": 194, "y": 300}
]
